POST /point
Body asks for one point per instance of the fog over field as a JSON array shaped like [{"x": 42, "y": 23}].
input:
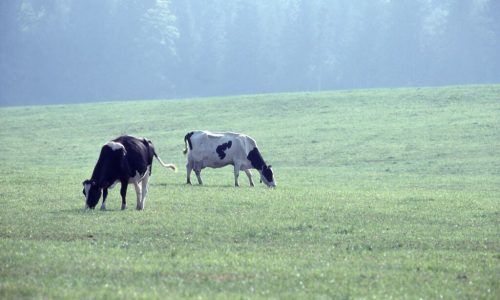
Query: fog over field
[{"x": 68, "y": 51}]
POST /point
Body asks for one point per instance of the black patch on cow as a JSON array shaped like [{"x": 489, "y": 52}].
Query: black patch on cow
[
  {"x": 256, "y": 159},
  {"x": 222, "y": 148},
  {"x": 188, "y": 139}
]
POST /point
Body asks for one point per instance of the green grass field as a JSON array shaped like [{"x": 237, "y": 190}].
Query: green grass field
[{"x": 390, "y": 193}]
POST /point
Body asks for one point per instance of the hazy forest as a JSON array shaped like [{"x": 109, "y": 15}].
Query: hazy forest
[{"x": 66, "y": 51}]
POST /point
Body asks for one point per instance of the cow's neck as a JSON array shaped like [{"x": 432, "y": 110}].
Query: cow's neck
[{"x": 256, "y": 159}]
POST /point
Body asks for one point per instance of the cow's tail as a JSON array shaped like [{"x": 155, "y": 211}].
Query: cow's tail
[
  {"x": 185, "y": 151},
  {"x": 187, "y": 140},
  {"x": 171, "y": 166}
]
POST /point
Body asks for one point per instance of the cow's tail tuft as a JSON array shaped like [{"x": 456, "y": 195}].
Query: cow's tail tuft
[{"x": 171, "y": 166}]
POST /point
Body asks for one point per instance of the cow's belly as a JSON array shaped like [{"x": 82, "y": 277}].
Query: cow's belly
[
  {"x": 215, "y": 163},
  {"x": 113, "y": 185},
  {"x": 212, "y": 162}
]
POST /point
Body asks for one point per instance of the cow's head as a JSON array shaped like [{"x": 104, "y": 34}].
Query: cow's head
[
  {"x": 92, "y": 193},
  {"x": 267, "y": 176}
]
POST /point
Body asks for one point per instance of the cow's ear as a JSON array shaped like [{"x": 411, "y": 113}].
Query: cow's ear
[{"x": 269, "y": 166}]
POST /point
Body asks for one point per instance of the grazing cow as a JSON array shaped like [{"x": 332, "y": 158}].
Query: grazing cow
[
  {"x": 215, "y": 150},
  {"x": 126, "y": 160}
]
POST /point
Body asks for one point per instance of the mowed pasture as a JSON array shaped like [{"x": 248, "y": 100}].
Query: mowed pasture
[{"x": 389, "y": 193}]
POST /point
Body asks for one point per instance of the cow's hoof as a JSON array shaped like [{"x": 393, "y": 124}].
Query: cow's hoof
[
  {"x": 124, "y": 206},
  {"x": 103, "y": 208}
]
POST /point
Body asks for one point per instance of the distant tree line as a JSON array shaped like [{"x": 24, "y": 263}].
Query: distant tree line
[{"x": 75, "y": 51}]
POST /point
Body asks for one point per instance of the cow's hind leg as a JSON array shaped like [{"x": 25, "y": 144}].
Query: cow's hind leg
[
  {"x": 104, "y": 196},
  {"x": 236, "y": 174},
  {"x": 123, "y": 193},
  {"x": 189, "y": 168},
  {"x": 249, "y": 175},
  {"x": 144, "y": 184},
  {"x": 198, "y": 175},
  {"x": 197, "y": 170},
  {"x": 138, "y": 193}
]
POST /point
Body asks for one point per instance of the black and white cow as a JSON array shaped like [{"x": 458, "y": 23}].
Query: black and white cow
[
  {"x": 215, "y": 150},
  {"x": 125, "y": 159}
]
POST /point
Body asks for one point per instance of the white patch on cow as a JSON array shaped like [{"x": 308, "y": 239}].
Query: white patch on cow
[
  {"x": 138, "y": 177},
  {"x": 115, "y": 146}
]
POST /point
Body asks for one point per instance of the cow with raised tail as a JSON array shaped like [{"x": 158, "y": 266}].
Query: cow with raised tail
[
  {"x": 126, "y": 159},
  {"x": 216, "y": 150}
]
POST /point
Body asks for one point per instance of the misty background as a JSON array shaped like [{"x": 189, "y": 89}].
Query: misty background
[{"x": 69, "y": 51}]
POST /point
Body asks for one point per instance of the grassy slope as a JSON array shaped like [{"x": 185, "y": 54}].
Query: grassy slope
[{"x": 387, "y": 193}]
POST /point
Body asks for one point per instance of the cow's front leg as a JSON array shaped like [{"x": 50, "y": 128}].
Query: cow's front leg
[
  {"x": 249, "y": 175},
  {"x": 138, "y": 192},
  {"x": 104, "y": 196},
  {"x": 236, "y": 174},
  {"x": 123, "y": 193}
]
